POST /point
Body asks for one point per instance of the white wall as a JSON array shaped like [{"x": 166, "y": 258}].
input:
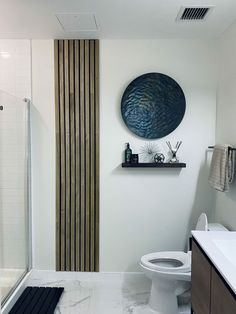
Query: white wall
[
  {"x": 43, "y": 154},
  {"x": 226, "y": 126},
  {"x": 146, "y": 210},
  {"x": 140, "y": 210}
]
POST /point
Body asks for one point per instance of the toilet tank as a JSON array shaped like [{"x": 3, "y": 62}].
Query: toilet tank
[
  {"x": 203, "y": 225},
  {"x": 216, "y": 227}
]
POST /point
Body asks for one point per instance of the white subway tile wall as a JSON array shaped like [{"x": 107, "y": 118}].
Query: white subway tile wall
[
  {"x": 15, "y": 84},
  {"x": 15, "y": 67},
  {"x": 13, "y": 182}
]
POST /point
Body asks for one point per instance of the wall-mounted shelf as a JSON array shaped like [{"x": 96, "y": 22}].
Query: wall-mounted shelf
[{"x": 154, "y": 165}]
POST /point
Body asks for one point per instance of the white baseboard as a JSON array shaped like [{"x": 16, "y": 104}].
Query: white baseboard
[{"x": 61, "y": 275}]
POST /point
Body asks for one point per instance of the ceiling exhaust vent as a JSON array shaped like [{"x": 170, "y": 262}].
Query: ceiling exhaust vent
[
  {"x": 77, "y": 22},
  {"x": 194, "y": 13}
]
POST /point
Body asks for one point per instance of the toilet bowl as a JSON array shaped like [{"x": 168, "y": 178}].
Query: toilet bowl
[{"x": 170, "y": 273}]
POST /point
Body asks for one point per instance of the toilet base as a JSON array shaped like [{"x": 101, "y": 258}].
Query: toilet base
[
  {"x": 145, "y": 309},
  {"x": 163, "y": 299},
  {"x": 166, "y": 287}
]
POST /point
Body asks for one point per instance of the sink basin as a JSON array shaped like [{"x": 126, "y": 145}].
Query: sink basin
[{"x": 227, "y": 248}]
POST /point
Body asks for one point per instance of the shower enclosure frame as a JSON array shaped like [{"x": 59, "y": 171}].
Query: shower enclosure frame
[{"x": 28, "y": 218}]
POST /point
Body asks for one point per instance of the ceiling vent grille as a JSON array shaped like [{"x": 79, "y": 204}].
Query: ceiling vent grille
[
  {"x": 194, "y": 13},
  {"x": 77, "y": 22}
]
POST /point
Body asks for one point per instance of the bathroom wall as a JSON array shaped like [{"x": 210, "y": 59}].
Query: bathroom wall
[
  {"x": 141, "y": 210},
  {"x": 146, "y": 210},
  {"x": 15, "y": 67},
  {"x": 43, "y": 154},
  {"x": 226, "y": 126},
  {"x": 15, "y": 84}
]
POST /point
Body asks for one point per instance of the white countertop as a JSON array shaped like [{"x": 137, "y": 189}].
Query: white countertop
[{"x": 220, "y": 247}]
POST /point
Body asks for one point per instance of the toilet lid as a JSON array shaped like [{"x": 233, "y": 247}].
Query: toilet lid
[{"x": 178, "y": 262}]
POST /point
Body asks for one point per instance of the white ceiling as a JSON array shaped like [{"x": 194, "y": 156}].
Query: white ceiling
[{"x": 115, "y": 18}]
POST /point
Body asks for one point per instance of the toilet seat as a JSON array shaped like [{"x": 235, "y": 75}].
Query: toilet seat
[{"x": 175, "y": 261}]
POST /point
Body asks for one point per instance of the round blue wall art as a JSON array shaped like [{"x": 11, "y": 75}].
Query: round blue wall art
[{"x": 153, "y": 105}]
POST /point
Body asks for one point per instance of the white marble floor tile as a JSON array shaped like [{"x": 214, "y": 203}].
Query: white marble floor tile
[{"x": 121, "y": 294}]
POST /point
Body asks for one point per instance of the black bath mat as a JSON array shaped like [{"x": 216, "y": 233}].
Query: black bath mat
[{"x": 37, "y": 300}]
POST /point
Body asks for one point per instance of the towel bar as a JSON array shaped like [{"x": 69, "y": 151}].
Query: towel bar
[{"x": 234, "y": 149}]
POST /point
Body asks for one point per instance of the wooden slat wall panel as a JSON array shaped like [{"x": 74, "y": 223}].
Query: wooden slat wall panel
[
  {"x": 62, "y": 157},
  {"x": 58, "y": 154},
  {"x": 67, "y": 151},
  {"x": 73, "y": 156},
  {"x": 96, "y": 171},
  {"x": 92, "y": 156},
  {"x": 82, "y": 158},
  {"x": 87, "y": 157},
  {"x": 77, "y": 137},
  {"x": 78, "y": 157}
]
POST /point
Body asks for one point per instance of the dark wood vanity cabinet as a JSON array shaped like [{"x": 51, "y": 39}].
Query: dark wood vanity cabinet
[
  {"x": 201, "y": 281},
  {"x": 209, "y": 293},
  {"x": 222, "y": 301}
]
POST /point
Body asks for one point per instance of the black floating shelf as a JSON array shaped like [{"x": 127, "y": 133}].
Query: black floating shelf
[{"x": 154, "y": 165}]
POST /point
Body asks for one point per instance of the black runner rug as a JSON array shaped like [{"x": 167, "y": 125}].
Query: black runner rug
[{"x": 37, "y": 300}]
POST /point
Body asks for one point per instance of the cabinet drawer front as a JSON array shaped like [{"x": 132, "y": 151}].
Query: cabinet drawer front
[
  {"x": 201, "y": 282},
  {"x": 222, "y": 300}
]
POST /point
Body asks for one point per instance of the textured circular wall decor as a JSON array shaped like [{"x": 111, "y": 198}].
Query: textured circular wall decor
[{"x": 153, "y": 105}]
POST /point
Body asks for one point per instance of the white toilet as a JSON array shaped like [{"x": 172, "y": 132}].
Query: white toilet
[{"x": 170, "y": 273}]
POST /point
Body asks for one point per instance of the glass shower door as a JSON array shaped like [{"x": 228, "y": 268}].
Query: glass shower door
[{"x": 14, "y": 195}]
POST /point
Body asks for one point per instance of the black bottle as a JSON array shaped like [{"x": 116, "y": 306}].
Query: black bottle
[{"x": 128, "y": 154}]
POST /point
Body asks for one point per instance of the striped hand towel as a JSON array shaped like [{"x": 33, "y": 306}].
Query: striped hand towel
[{"x": 222, "y": 168}]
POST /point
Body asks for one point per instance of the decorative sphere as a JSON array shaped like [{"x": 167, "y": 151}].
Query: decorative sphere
[{"x": 159, "y": 158}]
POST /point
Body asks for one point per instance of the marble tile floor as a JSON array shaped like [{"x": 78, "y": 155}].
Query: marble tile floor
[{"x": 127, "y": 294}]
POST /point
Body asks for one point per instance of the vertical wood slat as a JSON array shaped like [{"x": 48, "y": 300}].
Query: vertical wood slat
[
  {"x": 82, "y": 160},
  {"x": 87, "y": 158},
  {"x": 77, "y": 131},
  {"x": 96, "y": 196},
  {"x": 92, "y": 155},
  {"x": 67, "y": 150},
  {"x": 62, "y": 157},
  {"x": 58, "y": 154},
  {"x": 78, "y": 159},
  {"x": 72, "y": 146}
]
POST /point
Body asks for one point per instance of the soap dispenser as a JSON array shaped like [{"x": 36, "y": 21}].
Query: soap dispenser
[{"x": 128, "y": 154}]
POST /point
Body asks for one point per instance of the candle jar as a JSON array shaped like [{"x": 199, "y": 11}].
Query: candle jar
[{"x": 134, "y": 159}]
